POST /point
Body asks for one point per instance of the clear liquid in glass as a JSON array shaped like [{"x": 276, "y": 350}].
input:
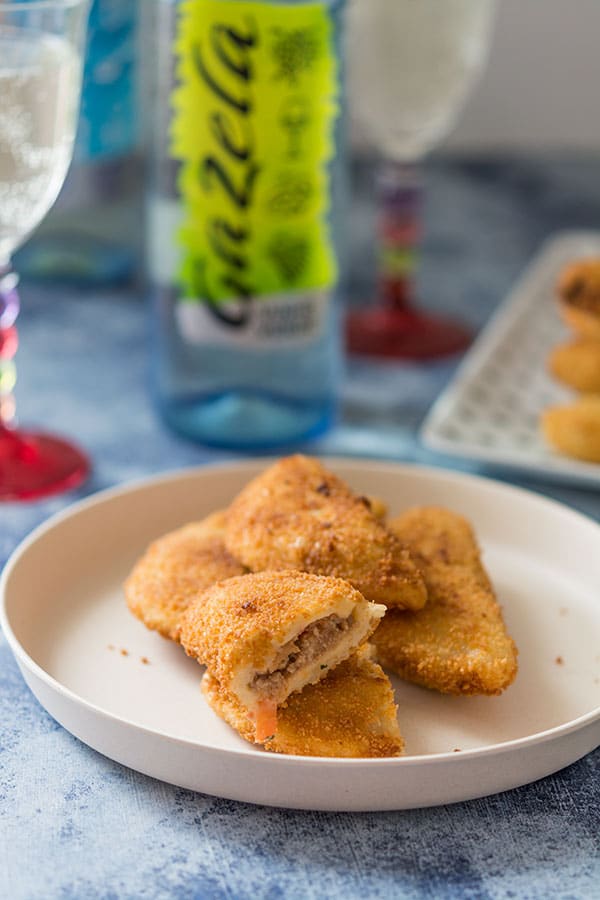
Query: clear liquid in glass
[
  {"x": 412, "y": 63},
  {"x": 39, "y": 89}
]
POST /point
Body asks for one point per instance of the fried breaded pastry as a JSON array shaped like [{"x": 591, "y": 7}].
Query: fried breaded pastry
[
  {"x": 458, "y": 644},
  {"x": 176, "y": 568},
  {"x": 267, "y": 635},
  {"x": 350, "y": 713},
  {"x": 579, "y": 292},
  {"x": 297, "y": 515},
  {"x": 377, "y": 507},
  {"x": 574, "y": 429},
  {"x": 577, "y": 364}
]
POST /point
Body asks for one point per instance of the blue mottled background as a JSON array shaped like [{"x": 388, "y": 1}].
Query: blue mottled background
[{"x": 73, "y": 824}]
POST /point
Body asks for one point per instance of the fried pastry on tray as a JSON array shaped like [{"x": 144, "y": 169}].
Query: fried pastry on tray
[
  {"x": 267, "y": 635},
  {"x": 458, "y": 644},
  {"x": 350, "y": 713},
  {"x": 579, "y": 293},
  {"x": 297, "y": 515},
  {"x": 574, "y": 428},
  {"x": 577, "y": 364},
  {"x": 176, "y": 568}
]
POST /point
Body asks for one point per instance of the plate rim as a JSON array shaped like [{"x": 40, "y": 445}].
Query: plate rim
[{"x": 110, "y": 494}]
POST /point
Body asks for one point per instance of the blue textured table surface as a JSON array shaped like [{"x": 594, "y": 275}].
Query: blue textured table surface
[{"x": 73, "y": 824}]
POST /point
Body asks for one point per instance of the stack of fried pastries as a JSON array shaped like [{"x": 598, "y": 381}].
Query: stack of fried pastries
[
  {"x": 294, "y": 596},
  {"x": 574, "y": 428}
]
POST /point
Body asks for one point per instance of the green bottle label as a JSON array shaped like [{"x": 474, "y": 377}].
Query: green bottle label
[{"x": 253, "y": 125}]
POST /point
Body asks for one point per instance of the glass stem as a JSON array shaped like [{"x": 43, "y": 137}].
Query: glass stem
[
  {"x": 399, "y": 201},
  {"x": 9, "y": 310}
]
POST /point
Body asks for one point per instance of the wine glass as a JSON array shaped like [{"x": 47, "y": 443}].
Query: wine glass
[
  {"x": 41, "y": 44},
  {"x": 411, "y": 66}
]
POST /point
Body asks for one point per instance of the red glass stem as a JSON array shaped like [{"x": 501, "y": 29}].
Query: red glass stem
[
  {"x": 9, "y": 310},
  {"x": 399, "y": 203}
]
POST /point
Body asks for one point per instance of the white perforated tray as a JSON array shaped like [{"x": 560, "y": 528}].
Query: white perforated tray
[{"x": 490, "y": 410}]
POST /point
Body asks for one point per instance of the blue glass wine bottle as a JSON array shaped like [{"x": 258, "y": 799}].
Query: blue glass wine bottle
[{"x": 243, "y": 217}]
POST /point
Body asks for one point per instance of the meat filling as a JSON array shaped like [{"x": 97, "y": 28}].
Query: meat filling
[{"x": 314, "y": 641}]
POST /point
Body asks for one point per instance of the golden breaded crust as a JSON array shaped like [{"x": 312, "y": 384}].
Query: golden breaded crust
[
  {"x": 574, "y": 429},
  {"x": 351, "y": 713},
  {"x": 584, "y": 323},
  {"x": 236, "y": 623},
  {"x": 458, "y": 644},
  {"x": 177, "y": 568},
  {"x": 437, "y": 535},
  {"x": 577, "y": 364},
  {"x": 297, "y": 515},
  {"x": 579, "y": 292},
  {"x": 377, "y": 507}
]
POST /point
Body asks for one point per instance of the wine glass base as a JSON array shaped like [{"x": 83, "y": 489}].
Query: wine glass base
[
  {"x": 35, "y": 465},
  {"x": 404, "y": 334}
]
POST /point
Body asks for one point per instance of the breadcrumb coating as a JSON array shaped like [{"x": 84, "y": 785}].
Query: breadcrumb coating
[
  {"x": 351, "y": 713},
  {"x": 458, "y": 644},
  {"x": 377, "y": 506},
  {"x": 298, "y": 515},
  {"x": 242, "y": 624},
  {"x": 574, "y": 429},
  {"x": 175, "y": 569}
]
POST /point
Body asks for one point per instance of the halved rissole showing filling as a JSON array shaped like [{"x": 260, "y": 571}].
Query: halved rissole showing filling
[
  {"x": 304, "y": 658},
  {"x": 268, "y": 635},
  {"x": 308, "y": 646},
  {"x": 350, "y": 713}
]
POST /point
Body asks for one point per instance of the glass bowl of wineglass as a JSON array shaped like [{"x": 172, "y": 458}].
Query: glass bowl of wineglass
[
  {"x": 411, "y": 66},
  {"x": 41, "y": 46}
]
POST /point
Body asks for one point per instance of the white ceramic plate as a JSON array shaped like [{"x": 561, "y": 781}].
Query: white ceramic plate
[
  {"x": 491, "y": 408},
  {"x": 64, "y": 616}
]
